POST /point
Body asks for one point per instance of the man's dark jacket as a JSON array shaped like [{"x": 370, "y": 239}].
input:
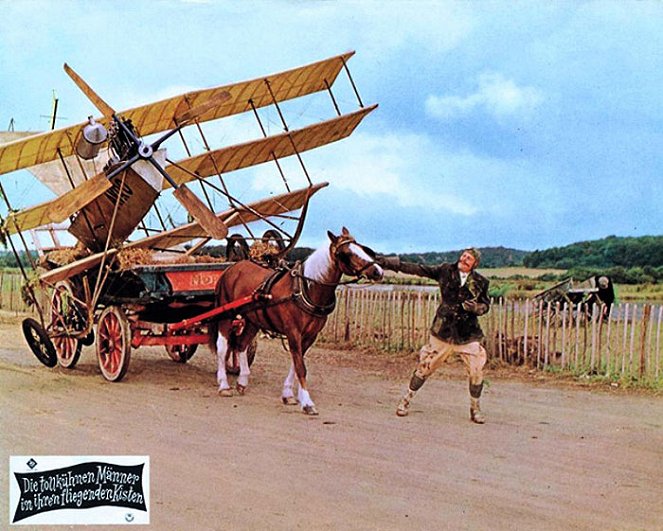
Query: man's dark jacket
[{"x": 453, "y": 323}]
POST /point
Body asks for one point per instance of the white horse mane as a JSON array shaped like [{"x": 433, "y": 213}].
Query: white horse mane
[{"x": 319, "y": 266}]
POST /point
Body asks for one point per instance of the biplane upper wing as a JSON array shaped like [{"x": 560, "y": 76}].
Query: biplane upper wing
[
  {"x": 222, "y": 160},
  {"x": 265, "y": 149},
  {"x": 10, "y": 136},
  {"x": 161, "y": 115},
  {"x": 283, "y": 86},
  {"x": 273, "y": 206},
  {"x": 59, "y": 209}
]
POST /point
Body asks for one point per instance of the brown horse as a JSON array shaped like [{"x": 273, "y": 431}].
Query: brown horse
[{"x": 293, "y": 303}]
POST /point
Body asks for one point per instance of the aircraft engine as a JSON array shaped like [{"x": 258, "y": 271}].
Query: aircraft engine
[{"x": 93, "y": 136}]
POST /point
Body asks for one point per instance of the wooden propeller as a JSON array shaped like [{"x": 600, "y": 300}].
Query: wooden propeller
[{"x": 192, "y": 203}]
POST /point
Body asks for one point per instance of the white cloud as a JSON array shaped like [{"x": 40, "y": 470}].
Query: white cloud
[
  {"x": 496, "y": 95},
  {"x": 380, "y": 27},
  {"x": 391, "y": 169}
]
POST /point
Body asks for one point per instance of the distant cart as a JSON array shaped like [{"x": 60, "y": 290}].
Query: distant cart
[{"x": 595, "y": 290}]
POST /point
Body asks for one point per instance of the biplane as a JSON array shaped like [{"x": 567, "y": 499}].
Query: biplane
[{"x": 112, "y": 175}]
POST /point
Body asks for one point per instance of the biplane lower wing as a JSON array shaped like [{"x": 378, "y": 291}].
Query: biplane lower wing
[
  {"x": 265, "y": 149},
  {"x": 59, "y": 209},
  {"x": 162, "y": 115},
  {"x": 274, "y": 206}
]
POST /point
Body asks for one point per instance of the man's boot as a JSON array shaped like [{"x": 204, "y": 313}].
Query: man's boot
[
  {"x": 475, "y": 410},
  {"x": 403, "y": 407}
]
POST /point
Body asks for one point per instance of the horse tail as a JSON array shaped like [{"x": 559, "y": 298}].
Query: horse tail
[
  {"x": 213, "y": 326},
  {"x": 221, "y": 295}
]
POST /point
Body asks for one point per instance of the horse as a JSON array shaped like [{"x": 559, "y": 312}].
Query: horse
[{"x": 291, "y": 302}]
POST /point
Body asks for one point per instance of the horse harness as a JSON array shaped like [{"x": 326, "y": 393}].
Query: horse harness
[
  {"x": 300, "y": 295},
  {"x": 300, "y": 286}
]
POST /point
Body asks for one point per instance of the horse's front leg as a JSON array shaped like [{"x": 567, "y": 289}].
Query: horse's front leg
[
  {"x": 303, "y": 395},
  {"x": 222, "y": 347}
]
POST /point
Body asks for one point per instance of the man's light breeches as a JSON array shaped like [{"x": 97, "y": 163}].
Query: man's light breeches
[{"x": 433, "y": 354}]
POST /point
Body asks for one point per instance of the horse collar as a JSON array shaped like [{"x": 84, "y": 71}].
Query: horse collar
[{"x": 302, "y": 298}]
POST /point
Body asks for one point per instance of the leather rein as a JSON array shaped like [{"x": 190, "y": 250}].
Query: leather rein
[{"x": 301, "y": 283}]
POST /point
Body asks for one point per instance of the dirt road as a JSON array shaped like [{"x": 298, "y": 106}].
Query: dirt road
[{"x": 550, "y": 457}]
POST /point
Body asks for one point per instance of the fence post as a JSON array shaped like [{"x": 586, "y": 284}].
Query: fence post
[
  {"x": 658, "y": 340},
  {"x": 564, "y": 310},
  {"x": 539, "y": 333},
  {"x": 650, "y": 330},
  {"x": 625, "y": 337},
  {"x": 608, "y": 343},
  {"x": 643, "y": 339},
  {"x": 526, "y": 332},
  {"x": 592, "y": 354},
  {"x": 512, "y": 336}
]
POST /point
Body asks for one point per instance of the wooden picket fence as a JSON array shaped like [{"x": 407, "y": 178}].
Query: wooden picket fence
[
  {"x": 11, "y": 299},
  {"x": 626, "y": 344}
]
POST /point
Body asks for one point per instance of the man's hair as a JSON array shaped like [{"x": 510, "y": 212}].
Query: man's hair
[{"x": 474, "y": 252}]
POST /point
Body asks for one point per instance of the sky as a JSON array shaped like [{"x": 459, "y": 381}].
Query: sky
[{"x": 518, "y": 124}]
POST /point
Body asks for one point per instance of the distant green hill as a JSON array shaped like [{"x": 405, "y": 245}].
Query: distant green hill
[
  {"x": 613, "y": 251},
  {"x": 490, "y": 257},
  {"x": 627, "y": 259}
]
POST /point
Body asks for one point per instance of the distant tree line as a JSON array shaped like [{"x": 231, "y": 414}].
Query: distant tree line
[
  {"x": 490, "y": 257},
  {"x": 645, "y": 251},
  {"x": 627, "y": 260}
]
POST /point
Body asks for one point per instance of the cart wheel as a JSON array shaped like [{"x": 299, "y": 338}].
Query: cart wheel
[
  {"x": 232, "y": 363},
  {"x": 273, "y": 237},
  {"x": 113, "y": 343},
  {"x": 39, "y": 342},
  {"x": 237, "y": 249},
  {"x": 181, "y": 353},
  {"x": 66, "y": 316}
]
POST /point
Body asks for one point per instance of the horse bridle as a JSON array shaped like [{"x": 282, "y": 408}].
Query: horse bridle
[{"x": 334, "y": 250}]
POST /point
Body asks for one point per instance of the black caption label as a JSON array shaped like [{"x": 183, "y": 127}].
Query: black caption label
[{"x": 81, "y": 486}]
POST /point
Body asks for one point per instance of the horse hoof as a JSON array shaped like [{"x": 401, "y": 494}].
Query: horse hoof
[
  {"x": 289, "y": 400},
  {"x": 241, "y": 389},
  {"x": 310, "y": 410},
  {"x": 225, "y": 392}
]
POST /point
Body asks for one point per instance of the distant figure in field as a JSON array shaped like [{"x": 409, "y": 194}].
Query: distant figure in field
[
  {"x": 605, "y": 294},
  {"x": 455, "y": 328}
]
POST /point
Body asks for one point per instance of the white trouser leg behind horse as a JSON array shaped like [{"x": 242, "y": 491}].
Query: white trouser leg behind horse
[{"x": 221, "y": 376}]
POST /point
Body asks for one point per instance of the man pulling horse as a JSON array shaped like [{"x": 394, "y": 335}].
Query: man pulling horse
[{"x": 293, "y": 303}]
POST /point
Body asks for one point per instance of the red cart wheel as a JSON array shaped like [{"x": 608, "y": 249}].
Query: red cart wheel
[
  {"x": 181, "y": 353},
  {"x": 232, "y": 363},
  {"x": 66, "y": 317},
  {"x": 113, "y": 343}
]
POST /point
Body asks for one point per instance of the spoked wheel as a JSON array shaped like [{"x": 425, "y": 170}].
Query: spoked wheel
[
  {"x": 113, "y": 343},
  {"x": 181, "y": 353},
  {"x": 232, "y": 363},
  {"x": 237, "y": 249},
  {"x": 273, "y": 237},
  {"x": 39, "y": 342},
  {"x": 66, "y": 318}
]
